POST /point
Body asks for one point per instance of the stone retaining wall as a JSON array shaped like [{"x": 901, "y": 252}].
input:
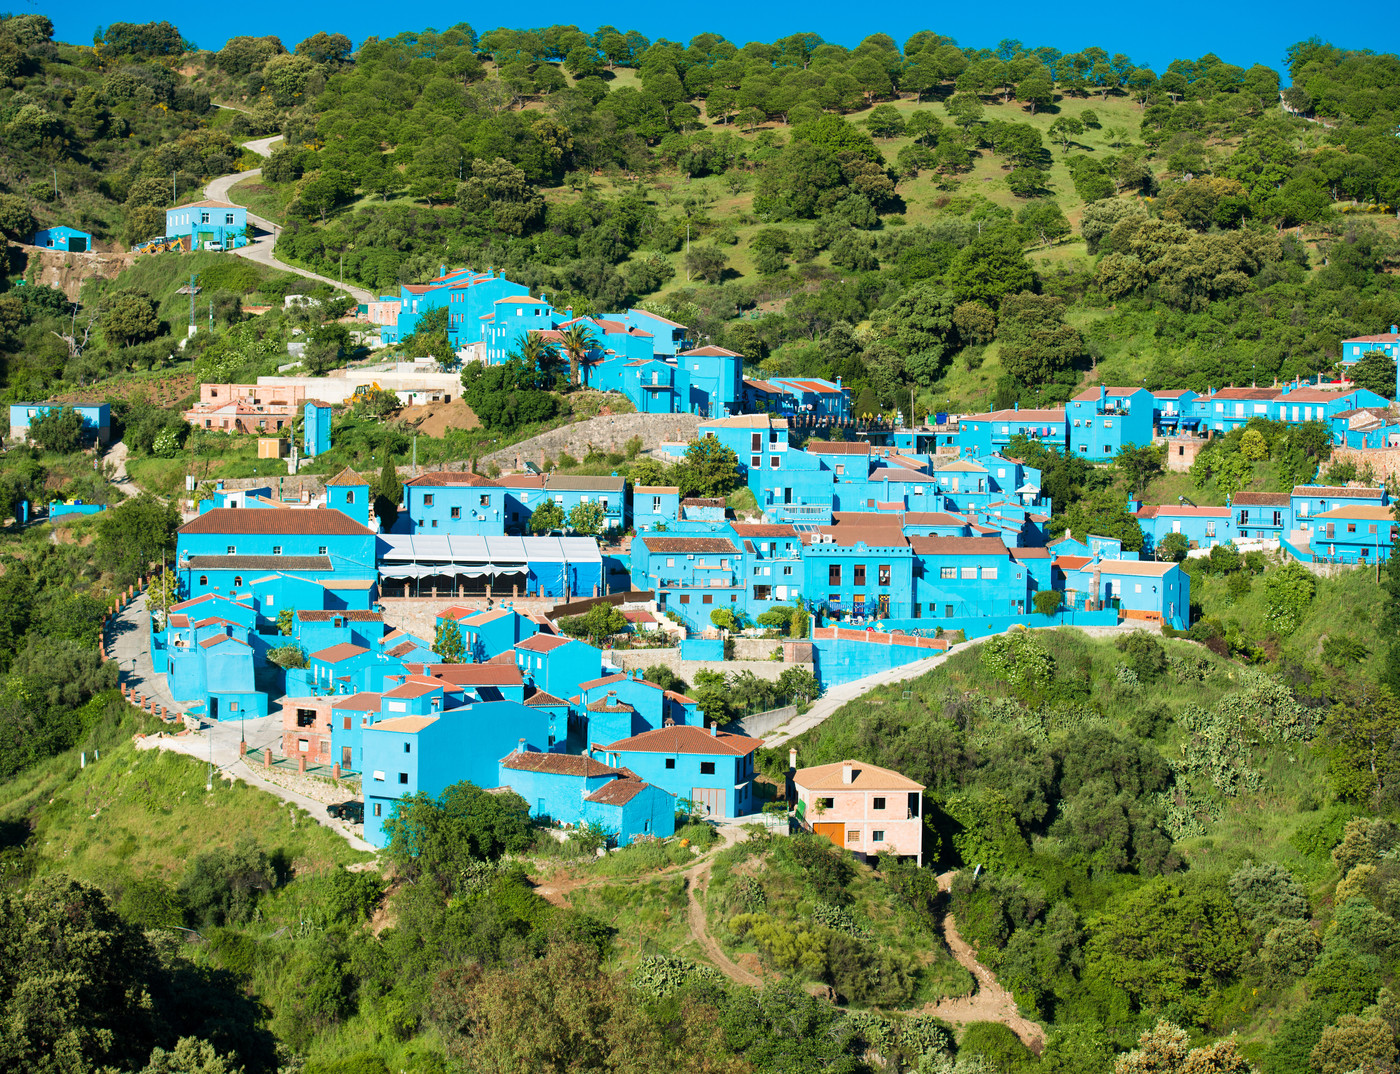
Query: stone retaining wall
[{"x": 641, "y": 659}]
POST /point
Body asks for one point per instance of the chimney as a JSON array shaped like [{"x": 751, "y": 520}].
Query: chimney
[
  {"x": 520, "y": 748},
  {"x": 792, "y": 759},
  {"x": 848, "y": 773}
]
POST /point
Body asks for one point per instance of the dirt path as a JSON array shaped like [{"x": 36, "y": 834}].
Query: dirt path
[
  {"x": 991, "y": 1002},
  {"x": 697, "y": 879}
]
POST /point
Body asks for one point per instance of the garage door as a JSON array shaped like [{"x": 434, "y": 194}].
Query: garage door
[
  {"x": 835, "y": 832},
  {"x": 709, "y": 800}
]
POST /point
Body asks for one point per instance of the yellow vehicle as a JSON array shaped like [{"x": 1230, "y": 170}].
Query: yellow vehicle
[{"x": 365, "y": 389}]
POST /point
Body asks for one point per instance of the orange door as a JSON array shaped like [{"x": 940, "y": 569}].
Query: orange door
[{"x": 835, "y": 832}]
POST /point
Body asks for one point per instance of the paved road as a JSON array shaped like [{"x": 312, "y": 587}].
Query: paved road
[
  {"x": 837, "y": 696},
  {"x": 116, "y": 455},
  {"x": 219, "y": 742},
  {"x": 260, "y": 250}
]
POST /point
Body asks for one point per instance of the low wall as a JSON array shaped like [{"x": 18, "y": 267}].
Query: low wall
[
  {"x": 1384, "y": 462},
  {"x": 761, "y": 723},
  {"x": 641, "y": 659},
  {"x": 418, "y": 615}
]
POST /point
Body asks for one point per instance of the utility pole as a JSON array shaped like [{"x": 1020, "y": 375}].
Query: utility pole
[
  {"x": 55, "y": 180},
  {"x": 687, "y": 250},
  {"x": 174, "y": 198},
  {"x": 191, "y": 305}
]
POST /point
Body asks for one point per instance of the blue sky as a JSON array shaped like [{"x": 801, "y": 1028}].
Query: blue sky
[{"x": 1242, "y": 33}]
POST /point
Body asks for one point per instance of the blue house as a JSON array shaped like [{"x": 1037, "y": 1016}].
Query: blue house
[
  {"x": 1309, "y": 501},
  {"x": 97, "y": 418},
  {"x": 348, "y": 493},
  {"x": 1358, "y": 347},
  {"x": 1140, "y": 589},
  {"x": 579, "y": 790},
  {"x": 210, "y": 655},
  {"x": 488, "y": 632},
  {"x": 454, "y": 502},
  {"x": 622, "y": 705},
  {"x": 1262, "y": 515},
  {"x": 468, "y": 296},
  {"x": 772, "y": 563},
  {"x": 557, "y": 665},
  {"x": 1102, "y": 421},
  {"x": 1353, "y": 533},
  {"x": 1203, "y": 527},
  {"x": 350, "y": 715},
  {"x": 224, "y": 550},
  {"x": 1174, "y": 409},
  {"x": 811, "y": 397},
  {"x": 983, "y": 434},
  {"x": 966, "y": 577},
  {"x": 716, "y": 380},
  {"x": 655, "y": 507},
  {"x": 316, "y": 429},
  {"x": 208, "y": 224},
  {"x": 64, "y": 238},
  {"x": 691, "y": 576},
  {"x": 315, "y": 629},
  {"x": 860, "y": 570},
  {"x": 711, "y": 768}
]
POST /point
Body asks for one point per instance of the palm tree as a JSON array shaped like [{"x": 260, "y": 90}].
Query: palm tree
[
  {"x": 578, "y": 340},
  {"x": 536, "y": 354}
]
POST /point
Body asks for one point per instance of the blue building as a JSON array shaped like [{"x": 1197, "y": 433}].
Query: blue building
[
  {"x": 1139, "y": 589},
  {"x": 716, "y": 380},
  {"x": 1309, "y": 501},
  {"x": 1358, "y": 347},
  {"x": 622, "y": 705},
  {"x": 1174, "y": 410},
  {"x": 1353, "y": 533},
  {"x": 711, "y": 768},
  {"x": 985, "y": 434},
  {"x": 64, "y": 238},
  {"x": 348, "y": 493},
  {"x": 454, "y": 502},
  {"x": 860, "y": 570},
  {"x": 210, "y": 654},
  {"x": 225, "y": 550},
  {"x": 208, "y": 224},
  {"x": 578, "y": 790},
  {"x": 468, "y": 296},
  {"x": 691, "y": 576},
  {"x": 1102, "y": 421},
  {"x": 966, "y": 577},
  {"x": 557, "y": 665},
  {"x": 97, "y": 418},
  {"x": 316, "y": 429},
  {"x": 1203, "y": 527},
  {"x": 1262, "y": 515},
  {"x": 655, "y": 507}
]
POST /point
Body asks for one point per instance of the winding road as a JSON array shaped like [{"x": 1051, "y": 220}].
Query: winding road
[{"x": 260, "y": 250}]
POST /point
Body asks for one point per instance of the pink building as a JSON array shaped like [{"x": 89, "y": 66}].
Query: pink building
[
  {"x": 246, "y": 408},
  {"x": 861, "y": 807}
]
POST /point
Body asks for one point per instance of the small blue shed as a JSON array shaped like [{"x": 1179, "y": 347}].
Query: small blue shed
[
  {"x": 316, "y": 429},
  {"x": 64, "y": 238}
]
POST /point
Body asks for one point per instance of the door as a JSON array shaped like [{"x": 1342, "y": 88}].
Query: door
[
  {"x": 709, "y": 800},
  {"x": 213, "y": 708},
  {"x": 77, "y": 246},
  {"x": 345, "y": 755},
  {"x": 835, "y": 832}
]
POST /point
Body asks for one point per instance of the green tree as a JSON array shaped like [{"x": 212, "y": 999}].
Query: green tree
[
  {"x": 1044, "y": 220},
  {"x": 547, "y": 517},
  {"x": 59, "y": 430},
  {"x": 1288, "y": 594},
  {"x": 134, "y": 535},
  {"x": 708, "y": 469},
  {"x": 388, "y": 494},
  {"x": 447, "y": 643},
  {"x": 1253, "y": 446},
  {"x": 1139, "y": 465},
  {"x": 1361, "y": 736},
  {"x": 988, "y": 268},
  {"x": 128, "y": 318},
  {"x": 1355, "y": 1043},
  {"x": 706, "y": 261},
  {"x": 587, "y": 518},
  {"x": 287, "y": 621},
  {"x": 577, "y": 340},
  {"x": 1375, "y": 372},
  {"x": 503, "y": 192},
  {"x": 1036, "y": 344},
  {"x": 1047, "y": 602},
  {"x": 16, "y": 220},
  {"x": 436, "y": 837},
  {"x": 1174, "y": 547},
  {"x": 919, "y": 325}
]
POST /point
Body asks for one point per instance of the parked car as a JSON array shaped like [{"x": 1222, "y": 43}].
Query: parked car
[{"x": 352, "y": 811}]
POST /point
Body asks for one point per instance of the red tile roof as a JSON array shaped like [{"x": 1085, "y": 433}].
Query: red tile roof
[
  {"x": 686, "y": 739},
  {"x": 318, "y": 522},
  {"x": 690, "y": 545},
  {"x": 958, "y": 546},
  {"x": 559, "y": 764},
  {"x": 619, "y": 792},
  {"x": 336, "y": 653},
  {"x": 502, "y": 674},
  {"x": 541, "y": 643},
  {"x": 452, "y": 477},
  {"x": 748, "y": 529}
]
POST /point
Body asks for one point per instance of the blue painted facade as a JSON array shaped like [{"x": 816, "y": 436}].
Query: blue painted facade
[
  {"x": 1353, "y": 533},
  {"x": 205, "y": 222},
  {"x": 468, "y": 296},
  {"x": 1102, "y": 421},
  {"x": 1153, "y": 590},
  {"x": 1203, "y": 527},
  {"x": 580, "y": 790},
  {"x": 64, "y": 238},
  {"x": 316, "y": 429},
  {"x": 991, "y": 433},
  {"x": 1358, "y": 347},
  {"x": 655, "y": 507},
  {"x": 713, "y": 769},
  {"x": 557, "y": 665},
  {"x": 97, "y": 418}
]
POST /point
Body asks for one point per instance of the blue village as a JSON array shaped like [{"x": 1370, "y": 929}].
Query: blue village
[{"x": 893, "y": 547}]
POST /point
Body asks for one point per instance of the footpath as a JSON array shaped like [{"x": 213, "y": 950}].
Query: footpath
[{"x": 219, "y": 744}]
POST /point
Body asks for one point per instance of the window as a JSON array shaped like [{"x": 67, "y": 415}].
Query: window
[
  {"x": 670, "y": 762},
  {"x": 707, "y": 599},
  {"x": 827, "y": 803},
  {"x": 378, "y": 809},
  {"x": 204, "y": 579},
  {"x": 707, "y": 768},
  {"x": 238, "y": 581},
  {"x": 306, "y": 717},
  {"x": 350, "y": 497},
  {"x": 947, "y": 611},
  {"x": 773, "y": 461},
  {"x": 884, "y": 574},
  {"x": 204, "y": 218},
  {"x": 877, "y": 803},
  {"x": 303, "y": 746},
  {"x": 1351, "y": 527},
  {"x": 685, "y": 598},
  {"x": 346, "y": 725},
  {"x": 228, "y": 218},
  {"x": 833, "y": 574},
  {"x": 877, "y": 836},
  {"x": 853, "y": 835},
  {"x": 968, "y": 573},
  {"x": 947, "y": 572},
  {"x": 858, "y": 574},
  {"x": 232, "y": 550},
  {"x": 485, "y": 501},
  {"x": 277, "y": 550},
  {"x": 403, "y": 777},
  {"x": 428, "y": 500},
  {"x": 379, "y": 777},
  {"x": 755, "y": 460},
  {"x": 989, "y": 574},
  {"x": 456, "y": 512},
  {"x": 321, "y": 550},
  {"x": 1210, "y": 529},
  {"x": 408, "y": 747}
]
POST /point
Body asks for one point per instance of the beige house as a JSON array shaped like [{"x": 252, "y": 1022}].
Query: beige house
[{"x": 861, "y": 807}]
